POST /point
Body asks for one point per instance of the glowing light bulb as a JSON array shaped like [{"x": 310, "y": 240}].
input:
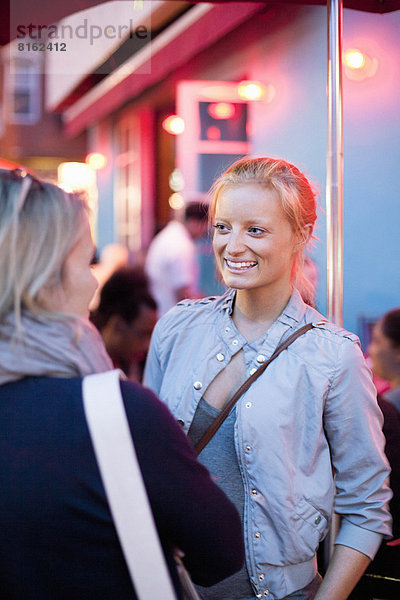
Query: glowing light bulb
[
  {"x": 176, "y": 201},
  {"x": 76, "y": 176},
  {"x": 251, "y": 90},
  {"x": 173, "y": 124},
  {"x": 176, "y": 181},
  {"x": 221, "y": 110},
  {"x": 358, "y": 65},
  {"x": 354, "y": 59},
  {"x": 96, "y": 160}
]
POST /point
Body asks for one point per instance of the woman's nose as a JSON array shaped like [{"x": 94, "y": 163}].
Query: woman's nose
[{"x": 235, "y": 243}]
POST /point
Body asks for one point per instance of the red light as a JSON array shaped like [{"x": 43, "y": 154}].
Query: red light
[
  {"x": 173, "y": 124},
  {"x": 213, "y": 133},
  {"x": 221, "y": 110}
]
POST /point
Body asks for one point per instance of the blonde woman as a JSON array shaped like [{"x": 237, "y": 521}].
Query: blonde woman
[
  {"x": 311, "y": 413},
  {"x": 57, "y": 535}
]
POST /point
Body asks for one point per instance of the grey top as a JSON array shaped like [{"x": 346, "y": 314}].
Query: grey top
[
  {"x": 314, "y": 408},
  {"x": 219, "y": 456}
]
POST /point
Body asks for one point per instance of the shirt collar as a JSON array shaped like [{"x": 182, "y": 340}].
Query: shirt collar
[
  {"x": 292, "y": 313},
  {"x": 227, "y": 301},
  {"x": 294, "y": 310}
]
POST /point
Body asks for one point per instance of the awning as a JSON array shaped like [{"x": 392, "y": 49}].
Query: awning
[
  {"x": 198, "y": 29},
  {"x": 47, "y": 12}
]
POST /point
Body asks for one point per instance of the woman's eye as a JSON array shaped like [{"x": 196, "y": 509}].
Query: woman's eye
[
  {"x": 256, "y": 230},
  {"x": 220, "y": 227}
]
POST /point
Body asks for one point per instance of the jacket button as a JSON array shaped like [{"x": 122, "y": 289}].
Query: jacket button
[
  {"x": 257, "y": 534},
  {"x": 261, "y": 577},
  {"x": 180, "y": 422},
  {"x": 260, "y": 358},
  {"x": 252, "y": 371},
  {"x": 266, "y": 593},
  {"x": 235, "y": 342},
  {"x": 248, "y": 405},
  {"x": 197, "y": 385},
  {"x": 254, "y": 492},
  {"x": 220, "y": 357},
  {"x": 248, "y": 448},
  {"x": 318, "y": 520}
]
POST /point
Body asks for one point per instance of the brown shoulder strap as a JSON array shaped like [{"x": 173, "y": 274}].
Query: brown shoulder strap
[{"x": 216, "y": 424}]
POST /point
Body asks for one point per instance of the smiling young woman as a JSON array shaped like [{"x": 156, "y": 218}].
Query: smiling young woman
[{"x": 302, "y": 419}]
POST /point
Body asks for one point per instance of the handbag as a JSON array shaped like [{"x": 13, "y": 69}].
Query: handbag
[
  {"x": 126, "y": 494},
  {"x": 216, "y": 424}
]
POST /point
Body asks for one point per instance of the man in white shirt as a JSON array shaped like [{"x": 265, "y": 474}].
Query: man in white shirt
[{"x": 171, "y": 263}]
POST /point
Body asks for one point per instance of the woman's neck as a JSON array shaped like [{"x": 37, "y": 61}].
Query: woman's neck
[{"x": 255, "y": 310}]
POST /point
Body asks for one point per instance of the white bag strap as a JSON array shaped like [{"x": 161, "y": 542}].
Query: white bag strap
[{"x": 123, "y": 483}]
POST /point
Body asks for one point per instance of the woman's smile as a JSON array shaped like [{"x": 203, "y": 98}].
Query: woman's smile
[{"x": 239, "y": 267}]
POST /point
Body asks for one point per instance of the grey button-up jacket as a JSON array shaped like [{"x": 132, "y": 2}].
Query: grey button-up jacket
[{"x": 312, "y": 410}]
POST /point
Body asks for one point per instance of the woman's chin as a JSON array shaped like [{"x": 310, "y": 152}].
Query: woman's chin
[{"x": 236, "y": 282}]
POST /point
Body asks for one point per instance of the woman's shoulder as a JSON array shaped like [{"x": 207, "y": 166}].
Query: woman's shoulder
[
  {"x": 140, "y": 397},
  {"x": 299, "y": 313},
  {"x": 325, "y": 329},
  {"x": 327, "y": 346},
  {"x": 197, "y": 312},
  {"x": 45, "y": 388}
]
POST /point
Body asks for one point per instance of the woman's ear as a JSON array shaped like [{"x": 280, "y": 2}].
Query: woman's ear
[
  {"x": 303, "y": 237},
  {"x": 306, "y": 233}
]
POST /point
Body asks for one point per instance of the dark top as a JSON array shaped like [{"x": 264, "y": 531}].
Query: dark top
[
  {"x": 391, "y": 429},
  {"x": 57, "y": 537},
  {"x": 387, "y": 560}
]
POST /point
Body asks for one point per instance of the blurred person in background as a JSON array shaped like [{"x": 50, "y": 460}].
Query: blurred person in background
[
  {"x": 384, "y": 352},
  {"x": 126, "y": 316},
  {"x": 58, "y": 538},
  {"x": 171, "y": 262},
  {"x": 112, "y": 257}
]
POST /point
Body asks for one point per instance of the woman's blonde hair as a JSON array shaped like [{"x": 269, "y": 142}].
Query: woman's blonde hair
[
  {"x": 298, "y": 200},
  {"x": 39, "y": 225}
]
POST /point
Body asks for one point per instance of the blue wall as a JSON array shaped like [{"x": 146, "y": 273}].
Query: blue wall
[{"x": 294, "y": 126}]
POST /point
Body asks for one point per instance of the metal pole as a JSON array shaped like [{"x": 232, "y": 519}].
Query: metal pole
[
  {"x": 334, "y": 195},
  {"x": 334, "y": 175}
]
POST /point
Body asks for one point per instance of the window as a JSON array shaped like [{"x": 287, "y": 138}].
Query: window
[
  {"x": 128, "y": 199},
  {"x": 23, "y": 91},
  {"x": 216, "y": 124}
]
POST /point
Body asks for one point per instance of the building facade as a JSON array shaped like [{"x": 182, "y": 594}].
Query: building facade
[{"x": 193, "y": 60}]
